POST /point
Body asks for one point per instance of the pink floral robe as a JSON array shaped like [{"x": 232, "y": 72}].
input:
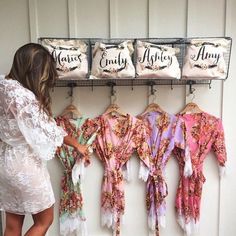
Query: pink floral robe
[
  {"x": 165, "y": 133},
  {"x": 116, "y": 140},
  {"x": 203, "y": 133}
]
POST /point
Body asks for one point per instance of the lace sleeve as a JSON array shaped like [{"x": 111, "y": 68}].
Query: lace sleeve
[{"x": 40, "y": 132}]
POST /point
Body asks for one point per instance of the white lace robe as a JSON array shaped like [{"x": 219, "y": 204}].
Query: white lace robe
[{"x": 27, "y": 139}]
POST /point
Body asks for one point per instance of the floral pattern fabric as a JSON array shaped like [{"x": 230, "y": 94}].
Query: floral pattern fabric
[
  {"x": 117, "y": 139},
  {"x": 165, "y": 133},
  {"x": 72, "y": 218},
  {"x": 203, "y": 133}
]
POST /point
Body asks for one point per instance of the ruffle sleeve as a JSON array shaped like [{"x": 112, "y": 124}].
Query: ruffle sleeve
[{"x": 39, "y": 131}]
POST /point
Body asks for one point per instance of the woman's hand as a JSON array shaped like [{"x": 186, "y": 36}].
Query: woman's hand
[{"x": 83, "y": 149}]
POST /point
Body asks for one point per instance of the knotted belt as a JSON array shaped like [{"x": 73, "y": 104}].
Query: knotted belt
[
  {"x": 113, "y": 200},
  {"x": 155, "y": 195}
]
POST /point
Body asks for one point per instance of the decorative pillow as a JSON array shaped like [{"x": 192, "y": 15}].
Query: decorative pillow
[
  {"x": 157, "y": 61},
  {"x": 113, "y": 61},
  {"x": 205, "y": 59},
  {"x": 70, "y": 56}
]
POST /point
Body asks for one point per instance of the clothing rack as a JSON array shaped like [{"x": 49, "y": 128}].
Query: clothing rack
[{"x": 131, "y": 82}]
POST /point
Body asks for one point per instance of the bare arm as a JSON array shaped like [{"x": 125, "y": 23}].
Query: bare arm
[{"x": 74, "y": 143}]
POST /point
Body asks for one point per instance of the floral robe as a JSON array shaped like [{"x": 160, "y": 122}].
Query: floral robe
[
  {"x": 117, "y": 139},
  {"x": 165, "y": 133},
  {"x": 72, "y": 219},
  {"x": 203, "y": 133}
]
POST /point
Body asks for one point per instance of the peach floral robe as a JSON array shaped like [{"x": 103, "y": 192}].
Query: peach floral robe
[{"x": 116, "y": 140}]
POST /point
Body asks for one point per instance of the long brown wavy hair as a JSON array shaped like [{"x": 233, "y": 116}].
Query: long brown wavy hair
[{"x": 35, "y": 69}]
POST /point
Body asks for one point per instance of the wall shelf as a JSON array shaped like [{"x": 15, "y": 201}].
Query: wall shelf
[{"x": 181, "y": 43}]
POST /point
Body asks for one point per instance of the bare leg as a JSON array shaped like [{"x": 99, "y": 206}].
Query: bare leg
[
  {"x": 14, "y": 224},
  {"x": 42, "y": 222}
]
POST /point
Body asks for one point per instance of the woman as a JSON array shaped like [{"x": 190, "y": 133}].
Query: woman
[{"x": 28, "y": 137}]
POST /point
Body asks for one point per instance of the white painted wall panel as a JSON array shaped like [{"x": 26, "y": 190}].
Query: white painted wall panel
[
  {"x": 93, "y": 18},
  {"x": 228, "y": 185},
  {"x": 132, "y": 18},
  {"x": 135, "y": 18},
  {"x": 206, "y": 18},
  {"x": 167, "y": 18},
  {"x": 14, "y": 28},
  {"x": 52, "y": 18}
]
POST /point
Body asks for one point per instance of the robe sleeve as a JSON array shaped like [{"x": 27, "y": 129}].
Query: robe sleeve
[
  {"x": 89, "y": 130},
  {"x": 218, "y": 146},
  {"x": 143, "y": 150},
  {"x": 181, "y": 142},
  {"x": 39, "y": 131}
]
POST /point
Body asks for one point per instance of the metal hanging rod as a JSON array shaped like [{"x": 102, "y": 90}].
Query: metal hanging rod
[
  {"x": 151, "y": 84},
  {"x": 71, "y": 85},
  {"x": 191, "y": 89},
  {"x": 128, "y": 82},
  {"x": 112, "y": 84}
]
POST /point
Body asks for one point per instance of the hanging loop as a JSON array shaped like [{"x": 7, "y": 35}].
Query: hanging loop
[
  {"x": 113, "y": 92},
  {"x": 210, "y": 84},
  {"x": 152, "y": 91},
  {"x": 71, "y": 91},
  {"x": 191, "y": 89},
  {"x": 193, "y": 96}
]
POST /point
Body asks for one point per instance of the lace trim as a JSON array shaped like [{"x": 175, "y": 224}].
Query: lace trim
[
  {"x": 127, "y": 171},
  {"x": 188, "y": 164},
  {"x": 189, "y": 228},
  {"x": 143, "y": 172},
  {"x": 109, "y": 219},
  {"x": 161, "y": 216},
  {"x": 52, "y": 150},
  {"x": 78, "y": 172},
  {"x": 222, "y": 171},
  {"x": 71, "y": 225}
]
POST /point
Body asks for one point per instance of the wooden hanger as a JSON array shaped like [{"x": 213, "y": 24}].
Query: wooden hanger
[
  {"x": 71, "y": 110},
  {"x": 152, "y": 106},
  {"x": 191, "y": 108},
  {"x": 113, "y": 107}
]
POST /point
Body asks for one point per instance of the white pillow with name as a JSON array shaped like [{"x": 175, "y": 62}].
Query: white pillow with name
[
  {"x": 157, "y": 61},
  {"x": 204, "y": 59},
  {"x": 70, "y": 56},
  {"x": 113, "y": 61}
]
